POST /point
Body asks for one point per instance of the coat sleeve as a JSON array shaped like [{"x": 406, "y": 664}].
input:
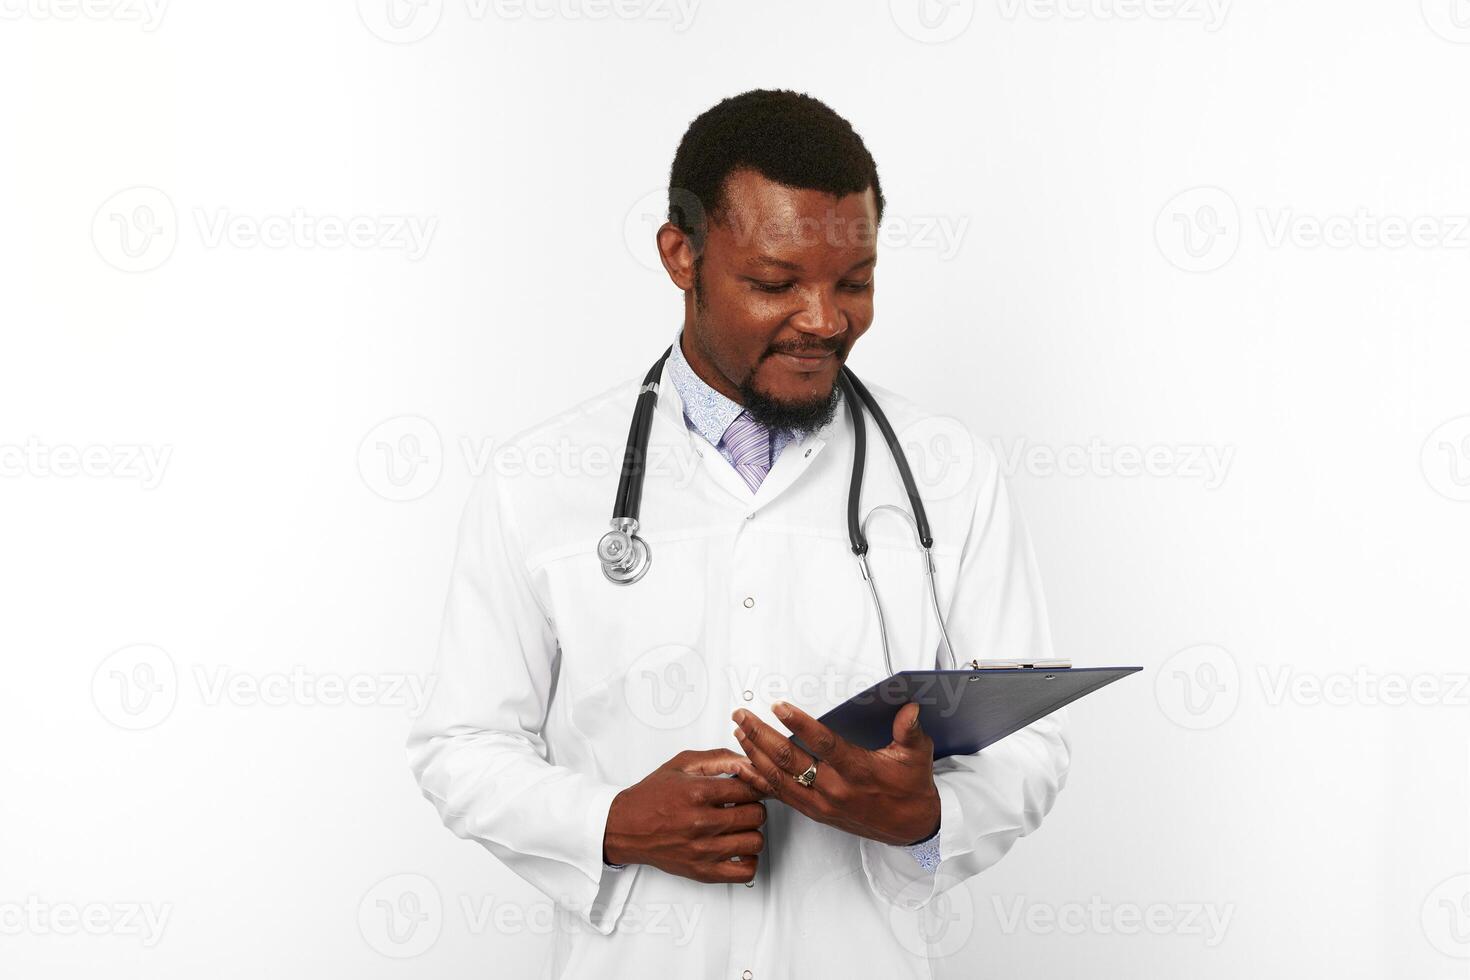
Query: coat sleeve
[
  {"x": 477, "y": 749},
  {"x": 992, "y": 798}
]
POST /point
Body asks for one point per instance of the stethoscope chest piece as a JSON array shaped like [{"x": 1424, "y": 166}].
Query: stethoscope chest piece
[{"x": 624, "y": 555}]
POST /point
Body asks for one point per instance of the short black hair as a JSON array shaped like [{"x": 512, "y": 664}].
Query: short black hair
[{"x": 788, "y": 137}]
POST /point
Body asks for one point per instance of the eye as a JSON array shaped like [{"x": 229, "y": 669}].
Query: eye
[
  {"x": 856, "y": 287},
  {"x": 770, "y": 287}
]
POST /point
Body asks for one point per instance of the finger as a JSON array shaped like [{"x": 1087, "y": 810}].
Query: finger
[
  {"x": 825, "y": 744},
  {"x": 726, "y": 846},
  {"x": 766, "y": 783},
  {"x": 712, "y": 762},
  {"x": 777, "y": 747},
  {"x": 768, "y": 774},
  {"x": 737, "y": 869},
  {"x": 728, "y": 792},
  {"x": 907, "y": 732},
  {"x": 754, "y": 780},
  {"x": 807, "y": 800},
  {"x": 747, "y": 816}
]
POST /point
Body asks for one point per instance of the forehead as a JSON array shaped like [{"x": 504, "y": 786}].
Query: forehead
[{"x": 797, "y": 224}]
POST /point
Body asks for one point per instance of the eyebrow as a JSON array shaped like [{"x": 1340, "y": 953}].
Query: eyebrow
[{"x": 771, "y": 260}]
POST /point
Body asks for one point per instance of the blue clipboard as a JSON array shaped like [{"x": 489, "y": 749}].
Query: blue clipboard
[{"x": 963, "y": 711}]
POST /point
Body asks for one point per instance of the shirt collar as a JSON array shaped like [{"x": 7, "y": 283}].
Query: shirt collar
[{"x": 706, "y": 410}]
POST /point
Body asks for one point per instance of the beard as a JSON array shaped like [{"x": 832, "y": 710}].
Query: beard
[{"x": 802, "y": 417}]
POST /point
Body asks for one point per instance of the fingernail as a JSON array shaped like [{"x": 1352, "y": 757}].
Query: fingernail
[
  {"x": 739, "y": 735},
  {"x": 782, "y": 709}
]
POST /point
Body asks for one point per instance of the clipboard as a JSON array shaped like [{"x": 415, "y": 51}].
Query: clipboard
[{"x": 963, "y": 711}]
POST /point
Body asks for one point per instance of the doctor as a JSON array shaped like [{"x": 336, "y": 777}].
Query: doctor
[{"x": 624, "y": 748}]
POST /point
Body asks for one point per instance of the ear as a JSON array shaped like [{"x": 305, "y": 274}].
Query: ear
[{"x": 676, "y": 252}]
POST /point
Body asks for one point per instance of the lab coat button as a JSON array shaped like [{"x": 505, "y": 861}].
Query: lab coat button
[
  {"x": 746, "y": 975},
  {"x": 750, "y": 883},
  {"x": 749, "y": 601},
  {"x": 748, "y": 695}
]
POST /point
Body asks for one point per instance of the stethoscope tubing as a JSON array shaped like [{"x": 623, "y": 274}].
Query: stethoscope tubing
[
  {"x": 630, "y": 485},
  {"x": 629, "y": 498},
  {"x": 895, "y": 449}
]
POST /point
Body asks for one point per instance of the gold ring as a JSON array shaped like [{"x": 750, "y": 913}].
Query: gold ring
[{"x": 810, "y": 776}]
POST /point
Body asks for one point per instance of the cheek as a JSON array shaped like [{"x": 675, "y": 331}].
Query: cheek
[
  {"x": 769, "y": 309},
  {"x": 746, "y": 325},
  {"x": 746, "y": 310}
]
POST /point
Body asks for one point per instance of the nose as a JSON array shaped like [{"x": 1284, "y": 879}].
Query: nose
[{"x": 820, "y": 317}]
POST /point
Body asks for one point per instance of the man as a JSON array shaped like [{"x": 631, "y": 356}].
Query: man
[{"x": 625, "y": 748}]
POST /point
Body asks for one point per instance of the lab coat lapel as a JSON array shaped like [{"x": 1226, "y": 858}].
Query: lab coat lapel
[{"x": 792, "y": 462}]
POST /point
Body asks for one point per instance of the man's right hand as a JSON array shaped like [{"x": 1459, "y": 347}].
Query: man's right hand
[{"x": 684, "y": 820}]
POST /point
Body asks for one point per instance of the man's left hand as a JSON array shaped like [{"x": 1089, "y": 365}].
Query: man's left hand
[{"x": 886, "y": 795}]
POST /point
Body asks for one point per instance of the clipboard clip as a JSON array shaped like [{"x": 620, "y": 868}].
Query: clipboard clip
[{"x": 1020, "y": 664}]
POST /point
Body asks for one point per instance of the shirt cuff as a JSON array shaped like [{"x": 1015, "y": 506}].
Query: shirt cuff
[
  {"x": 610, "y": 888},
  {"x": 901, "y": 877},
  {"x": 926, "y": 852}
]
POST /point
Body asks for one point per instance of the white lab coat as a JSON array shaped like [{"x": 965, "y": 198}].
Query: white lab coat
[{"x": 555, "y": 688}]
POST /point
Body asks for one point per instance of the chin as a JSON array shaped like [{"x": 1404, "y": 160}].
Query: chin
[
  {"x": 795, "y": 400},
  {"x": 798, "y": 395}
]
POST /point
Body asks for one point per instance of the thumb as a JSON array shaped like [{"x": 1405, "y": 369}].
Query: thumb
[{"x": 906, "y": 730}]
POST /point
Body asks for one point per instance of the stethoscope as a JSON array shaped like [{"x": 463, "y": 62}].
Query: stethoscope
[{"x": 626, "y": 557}]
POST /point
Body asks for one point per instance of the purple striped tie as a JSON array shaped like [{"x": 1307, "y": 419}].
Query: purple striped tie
[{"x": 748, "y": 444}]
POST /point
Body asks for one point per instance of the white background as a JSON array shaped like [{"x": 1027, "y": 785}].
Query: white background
[{"x": 1129, "y": 196}]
